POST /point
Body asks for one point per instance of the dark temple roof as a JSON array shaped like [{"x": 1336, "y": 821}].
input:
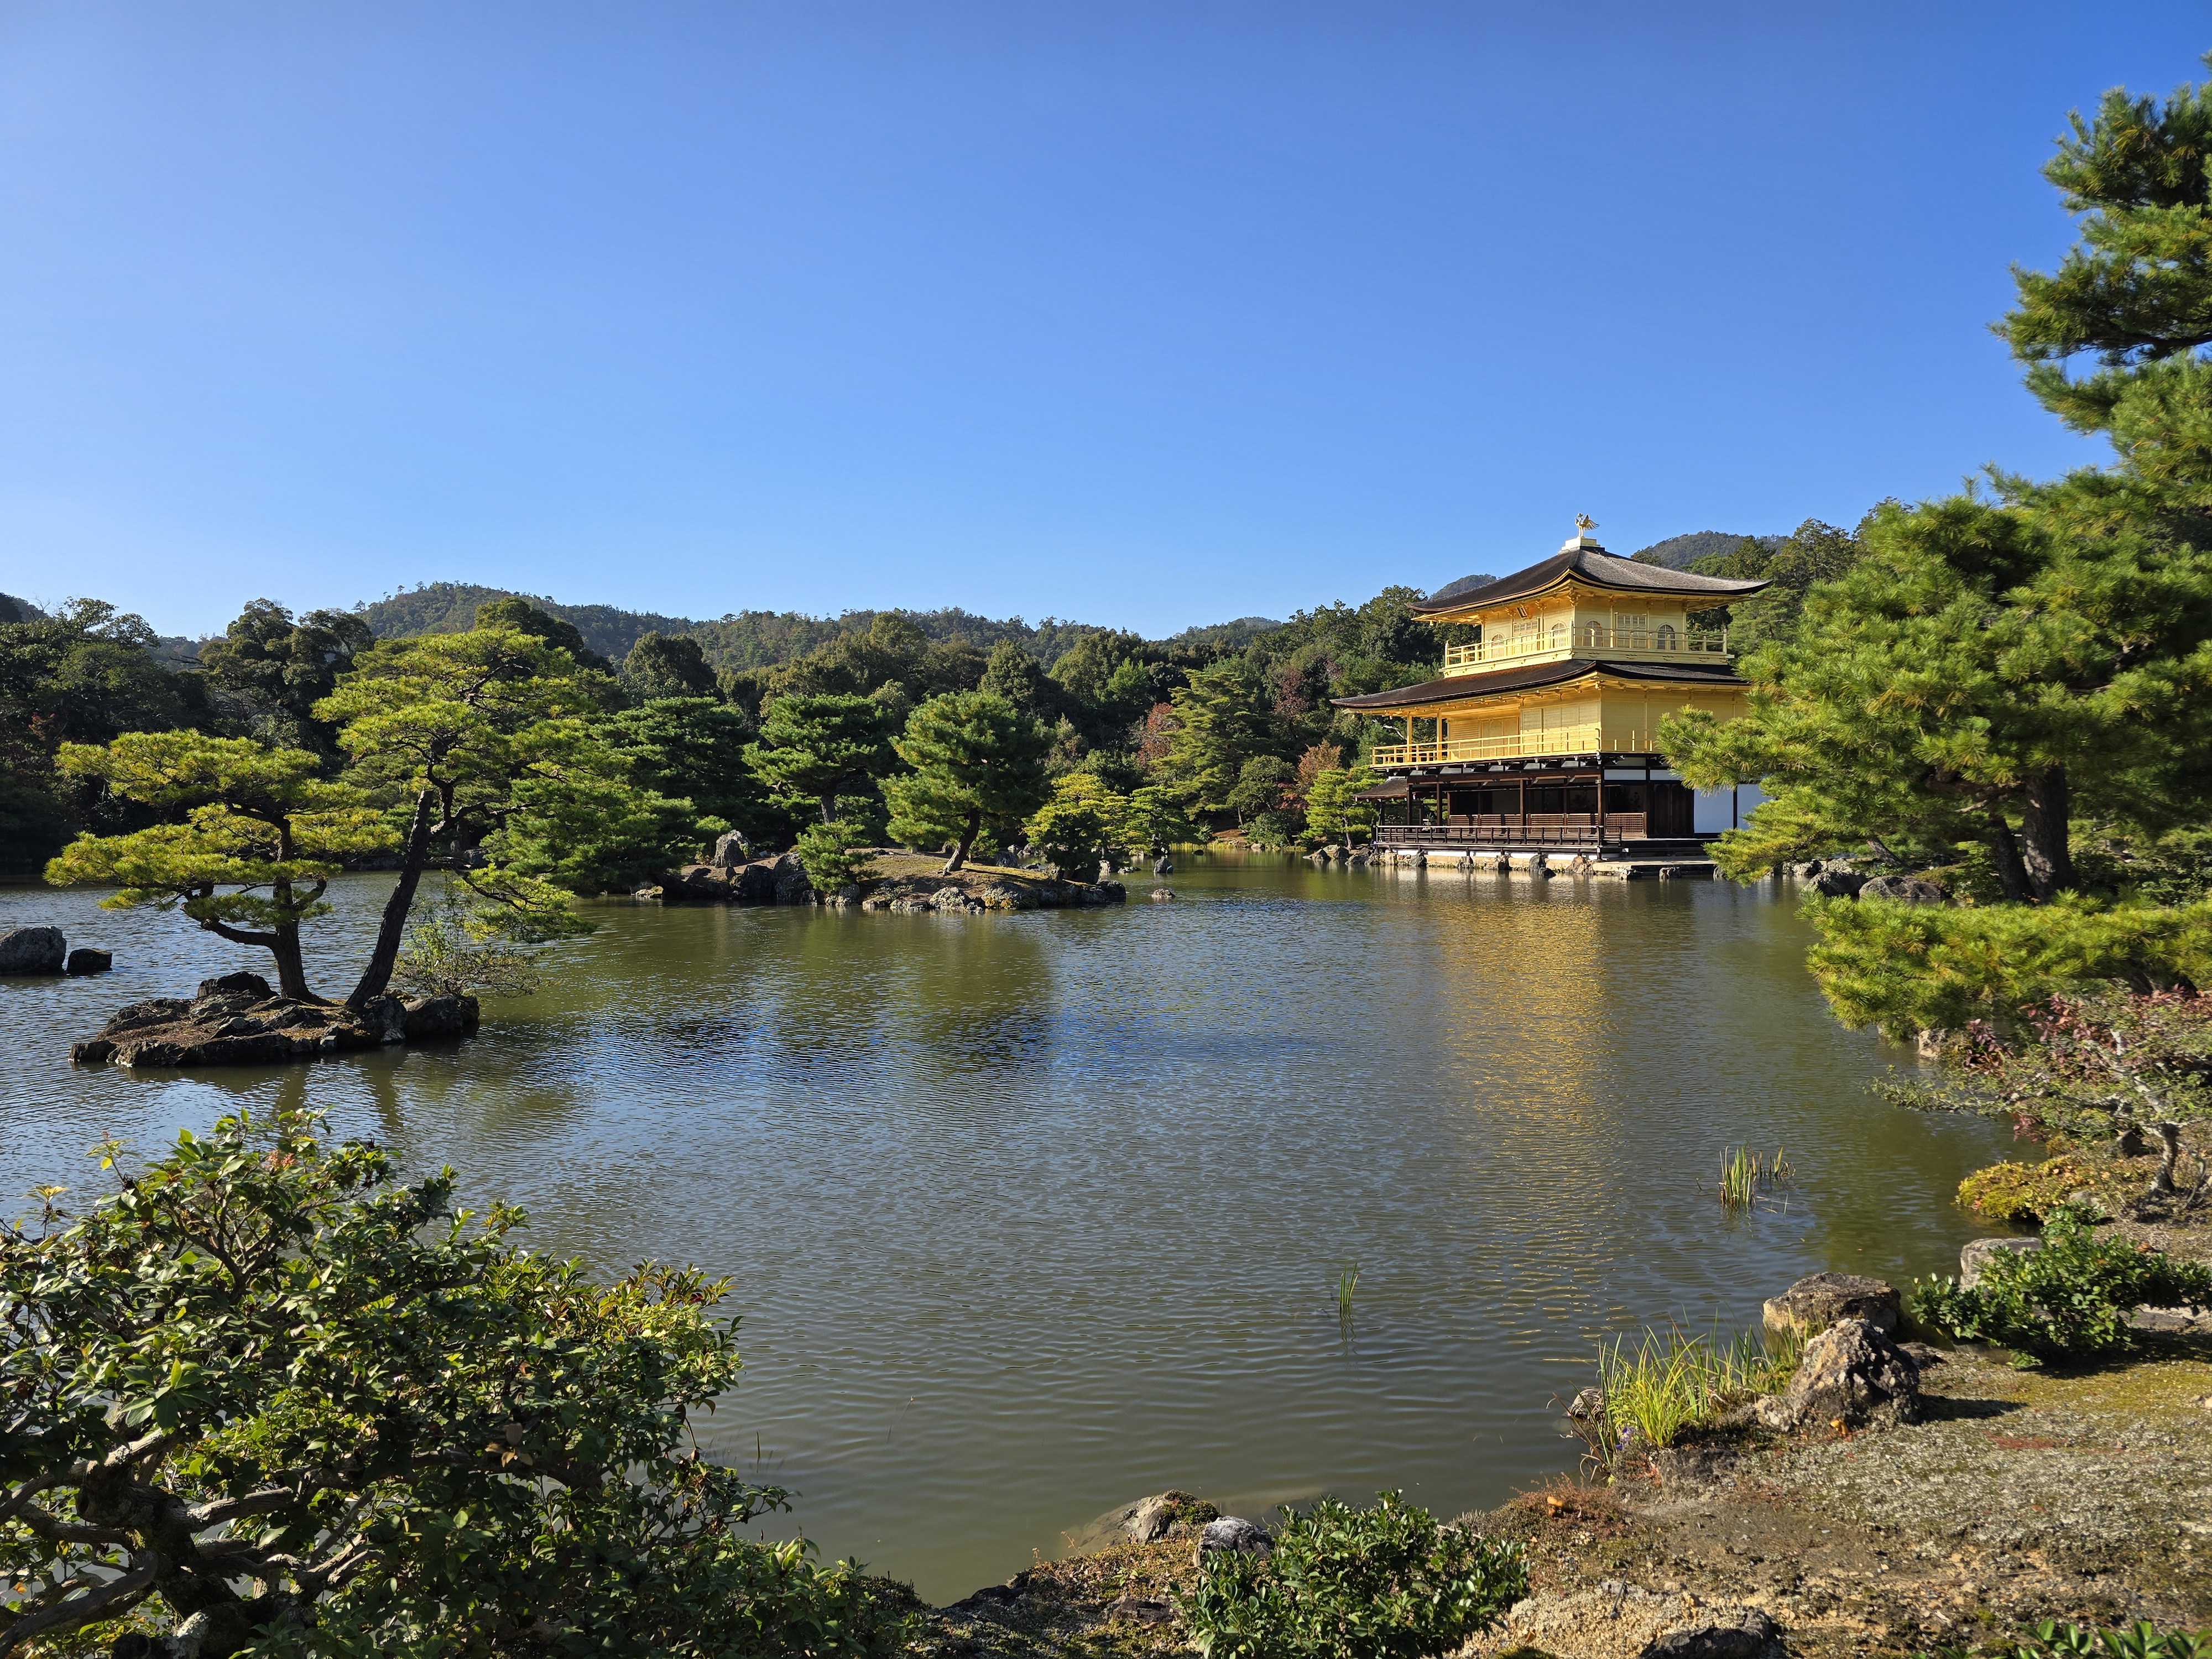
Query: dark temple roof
[
  {"x": 1594, "y": 565},
  {"x": 1538, "y": 675}
]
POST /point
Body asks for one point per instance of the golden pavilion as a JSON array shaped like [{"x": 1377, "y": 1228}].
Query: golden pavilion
[{"x": 1541, "y": 733}]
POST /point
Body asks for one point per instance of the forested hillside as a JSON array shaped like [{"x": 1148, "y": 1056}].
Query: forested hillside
[
  {"x": 752, "y": 639},
  {"x": 1680, "y": 552}
]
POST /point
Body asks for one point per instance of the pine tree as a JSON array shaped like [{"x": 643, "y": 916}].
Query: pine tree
[
  {"x": 1221, "y": 720},
  {"x": 819, "y": 745},
  {"x": 1970, "y": 680},
  {"x": 977, "y": 761}
]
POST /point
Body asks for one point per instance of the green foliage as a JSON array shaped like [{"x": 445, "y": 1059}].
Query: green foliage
[
  {"x": 83, "y": 675},
  {"x": 1017, "y": 678},
  {"x": 1814, "y": 552},
  {"x": 2143, "y": 1640},
  {"x": 1331, "y": 813},
  {"x": 1980, "y": 666},
  {"x": 267, "y": 673},
  {"x": 1341, "y": 1583},
  {"x": 1907, "y": 968},
  {"x": 264, "y": 1384},
  {"x": 825, "y": 853},
  {"x": 253, "y": 838},
  {"x": 1084, "y": 823},
  {"x": 2069, "y": 1300},
  {"x": 818, "y": 745},
  {"x": 464, "y": 947},
  {"x": 2035, "y": 1192},
  {"x": 1154, "y": 821},
  {"x": 667, "y": 665},
  {"x": 1221, "y": 722},
  {"x": 694, "y": 748},
  {"x": 2136, "y": 289},
  {"x": 978, "y": 767},
  {"x": 1264, "y": 784},
  {"x": 524, "y": 617},
  {"x": 486, "y": 740}
]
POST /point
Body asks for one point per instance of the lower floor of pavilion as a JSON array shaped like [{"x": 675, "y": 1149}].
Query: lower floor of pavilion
[{"x": 1614, "y": 803}]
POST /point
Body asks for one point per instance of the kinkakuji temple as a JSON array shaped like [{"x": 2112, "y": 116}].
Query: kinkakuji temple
[{"x": 1541, "y": 733}]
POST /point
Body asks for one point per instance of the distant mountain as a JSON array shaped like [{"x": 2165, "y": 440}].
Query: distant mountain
[
  {"x": 13, "y": 610},
  {"x": 1680, "y": 552},
  {"x": 746, "y": 639}
]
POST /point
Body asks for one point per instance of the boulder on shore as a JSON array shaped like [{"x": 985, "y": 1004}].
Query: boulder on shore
[
  {"x": 1852, "y": 1374},
  {"x": 1975, "y": 1253},
  {"x": 33, "y": 951},
  {"x": 235, "y": 1020},
  {"x": 1812, "y": 1304},
  {"x": 1903, "y": 890}
]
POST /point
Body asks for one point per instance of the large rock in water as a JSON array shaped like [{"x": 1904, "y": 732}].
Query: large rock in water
[
  {"x": 86, "y": 960},
  {"x": 235, "y": 1021},
  {"x": 33, "y": 951},
  {"x": 1852, "y": 1373},
  {"x": 1812, "y": 1304}
]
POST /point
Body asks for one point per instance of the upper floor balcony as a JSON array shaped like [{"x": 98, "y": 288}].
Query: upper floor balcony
[
  {"x": 1551, "y": 743},
  {"x": 1553, "y": 641}
]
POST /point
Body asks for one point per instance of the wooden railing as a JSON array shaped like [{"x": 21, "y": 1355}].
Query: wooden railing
[
  {"x": 1537, "y": 829},
  {"x": 1589, "y": 636},
  {"x": 1515, "y": 746}
]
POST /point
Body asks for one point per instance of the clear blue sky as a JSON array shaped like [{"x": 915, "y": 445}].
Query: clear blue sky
[{"x": 1146, "y": 315}]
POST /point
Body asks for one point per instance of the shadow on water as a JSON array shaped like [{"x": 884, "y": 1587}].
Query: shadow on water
[{"x": 1030, "y": 1215}]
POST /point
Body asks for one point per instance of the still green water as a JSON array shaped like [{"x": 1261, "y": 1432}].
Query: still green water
[{"x": 1031, "y": 1215}]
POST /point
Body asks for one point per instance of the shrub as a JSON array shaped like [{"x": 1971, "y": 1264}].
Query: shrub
[
  {"x": 1388, "y": 1583},
  {"x": 2068, "y": 1300},
  {"x": 1912, "y": 968},
  {"x": 825, "y": 853},
  {"x": 2030, "y": 1192},
  {"x": 2051, "y": 1641},
  {"x": 265, "y": 1387}
]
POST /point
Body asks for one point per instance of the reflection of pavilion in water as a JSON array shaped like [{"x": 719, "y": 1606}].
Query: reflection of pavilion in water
[{"x": 1541, "y": 732}]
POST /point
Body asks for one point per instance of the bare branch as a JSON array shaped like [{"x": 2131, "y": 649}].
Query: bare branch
[
  {"x": 49, "y": 1525},
  {"x": 79, "y": 1610},
  {"x": 230, "y": 1508}
]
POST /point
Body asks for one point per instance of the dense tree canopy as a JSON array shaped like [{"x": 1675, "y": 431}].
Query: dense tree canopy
[
  {"x": 267, "y": 673},
  {"x": 817, "y": 746},
  {"x": 482, "y": 740},
  {"x": 977, "y": 763},
  {"x": 266, "y": 1396},
  {"x": 1972, "y": 678},
  {"x": 253, "y": 836}
]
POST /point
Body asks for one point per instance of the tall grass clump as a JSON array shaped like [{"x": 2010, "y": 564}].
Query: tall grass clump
[
  {"x": 1674, "y": 1379},
  {"x": 1745, "y": 1175},
  {"x": 1347, "y": 1281}
]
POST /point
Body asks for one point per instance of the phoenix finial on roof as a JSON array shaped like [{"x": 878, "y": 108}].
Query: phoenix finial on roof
[{"x": 1585, "y": 523}]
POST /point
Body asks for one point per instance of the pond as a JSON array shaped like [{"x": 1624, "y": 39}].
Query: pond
[{"x": 1032, "y": 1215}]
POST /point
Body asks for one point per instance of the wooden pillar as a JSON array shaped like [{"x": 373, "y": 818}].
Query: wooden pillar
[{"x": 1600, "y": 802}]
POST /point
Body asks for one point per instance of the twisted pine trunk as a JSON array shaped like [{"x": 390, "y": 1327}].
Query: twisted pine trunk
[{"x": 393, "y": 928}]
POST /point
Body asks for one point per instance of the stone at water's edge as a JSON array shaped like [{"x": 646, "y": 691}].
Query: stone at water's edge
[
  {"x": 235, "y": 1021},
  {"x": 86, "y": 960},
  {"x": 1852, "y": 1373},
  {"x": 1233, "y": 1531},
  {"x": 1975, "y": 1255},
  {"x": 1814, "y": 1304},
  {"x": 32, "y": 950}
]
